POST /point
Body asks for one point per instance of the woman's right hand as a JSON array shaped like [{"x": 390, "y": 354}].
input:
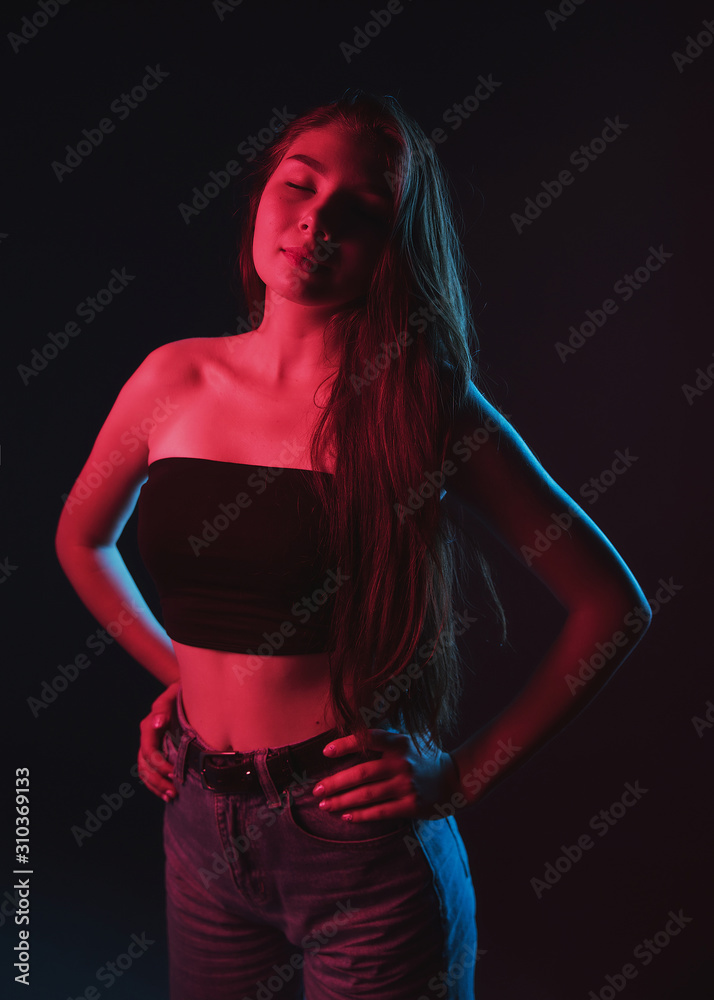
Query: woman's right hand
[{"x": 154, "y": 768}]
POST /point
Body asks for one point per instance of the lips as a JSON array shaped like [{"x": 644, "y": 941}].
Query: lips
[{"x": 304, "y": 259}]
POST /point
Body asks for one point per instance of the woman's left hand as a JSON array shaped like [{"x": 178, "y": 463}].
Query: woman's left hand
[{"x": 400, "y": 784}]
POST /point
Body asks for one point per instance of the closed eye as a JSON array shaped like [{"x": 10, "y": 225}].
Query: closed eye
[{"x": 364, "y": 213}]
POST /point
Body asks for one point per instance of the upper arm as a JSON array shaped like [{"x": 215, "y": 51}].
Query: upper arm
[
  {"x": 105, "y": 492},
  {"x": 496, "y": 476}
]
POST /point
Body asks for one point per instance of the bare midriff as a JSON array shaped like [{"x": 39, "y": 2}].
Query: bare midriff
[
  {"x": 228, "y": 412},
  {"x": 239, "y": 701}
]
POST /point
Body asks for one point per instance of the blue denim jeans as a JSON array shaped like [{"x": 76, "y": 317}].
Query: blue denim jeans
[{"x": 269, "y": 896}]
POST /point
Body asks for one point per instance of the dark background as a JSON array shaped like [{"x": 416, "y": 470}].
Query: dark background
[{"x": 621, "y": 390}]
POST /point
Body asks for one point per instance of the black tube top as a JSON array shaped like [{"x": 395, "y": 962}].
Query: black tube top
[{"x": 236, "y": 554}]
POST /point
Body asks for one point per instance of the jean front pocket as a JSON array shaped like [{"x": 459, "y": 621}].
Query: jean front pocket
[
  {"x": 324, "y": 826},
  {"x": 168, "y": 749}
]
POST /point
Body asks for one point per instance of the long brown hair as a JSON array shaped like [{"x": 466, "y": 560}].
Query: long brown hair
[{"x": 407, "y": 356}]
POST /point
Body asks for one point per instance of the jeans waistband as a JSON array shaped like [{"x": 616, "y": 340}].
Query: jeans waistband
[{"x": 233, "y": 772}]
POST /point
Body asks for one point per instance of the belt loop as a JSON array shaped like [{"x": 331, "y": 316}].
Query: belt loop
[
  {"x": 175, "y": 723},
  {"x": 180, "y": 765},
  {"x": 273, "y": 797},
  {"x": 282, "y": 769}
]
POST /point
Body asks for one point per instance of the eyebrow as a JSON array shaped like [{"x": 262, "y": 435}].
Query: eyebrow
[{"x": 315, "y": 165}]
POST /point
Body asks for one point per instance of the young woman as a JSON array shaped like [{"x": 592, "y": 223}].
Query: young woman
[{"x": 290, "y": 516}]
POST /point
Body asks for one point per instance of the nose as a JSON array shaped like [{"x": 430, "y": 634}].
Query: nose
[
  {"x": 307, "y": 225},
  {"x": 314, "y": 222}
]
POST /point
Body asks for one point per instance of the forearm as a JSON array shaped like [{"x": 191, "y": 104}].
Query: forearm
[
  {"x": 571, "y": 673},
  {"x": 107, "y": 589}
]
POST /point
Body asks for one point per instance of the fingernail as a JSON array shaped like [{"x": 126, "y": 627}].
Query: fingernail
[
  {"x": 158, "y": 721},
  {"x": 330, "y": 748},
  {"x": 347, "y": 817},
  {"x": 323, "y": 804},
  {"x": 168, "y": 795},
  {"x": 318, "y": 789},
  {"x": 171, "y": 774}
]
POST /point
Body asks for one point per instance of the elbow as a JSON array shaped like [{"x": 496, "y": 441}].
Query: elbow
[
  {"x": 68, "y": 538},
  {"x": 635, "y": 617},
  {"x": 639, "y": 608},
  {"x": 628, "y": 611},
  {"x": 644, "y": 613}
]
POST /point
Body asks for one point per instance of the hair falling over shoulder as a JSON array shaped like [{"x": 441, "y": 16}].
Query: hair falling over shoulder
[{"x": 394, "y": 618}]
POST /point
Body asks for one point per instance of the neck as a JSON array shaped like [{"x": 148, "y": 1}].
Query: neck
[{"x": 291, "y": 342}]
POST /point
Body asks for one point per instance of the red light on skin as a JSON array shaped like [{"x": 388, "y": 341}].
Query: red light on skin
[{"x": 304, "y": 263}]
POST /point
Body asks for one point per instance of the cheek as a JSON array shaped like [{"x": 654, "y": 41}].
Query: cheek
[{"x": 267, "y": 226}]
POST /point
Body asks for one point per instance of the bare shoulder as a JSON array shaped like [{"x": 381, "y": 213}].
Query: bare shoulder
[
  {"x": 100, "y": 502},
  {"x": 178, "y": 361},
  {"x": 180, "y": 366},
  {"x": 490, "y": 463},
  {"x": 470, "y": 414},
  {"x": 193, "y": 357}
]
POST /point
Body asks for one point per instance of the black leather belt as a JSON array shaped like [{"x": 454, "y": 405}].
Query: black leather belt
[{"x": 232, "y": 772}]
